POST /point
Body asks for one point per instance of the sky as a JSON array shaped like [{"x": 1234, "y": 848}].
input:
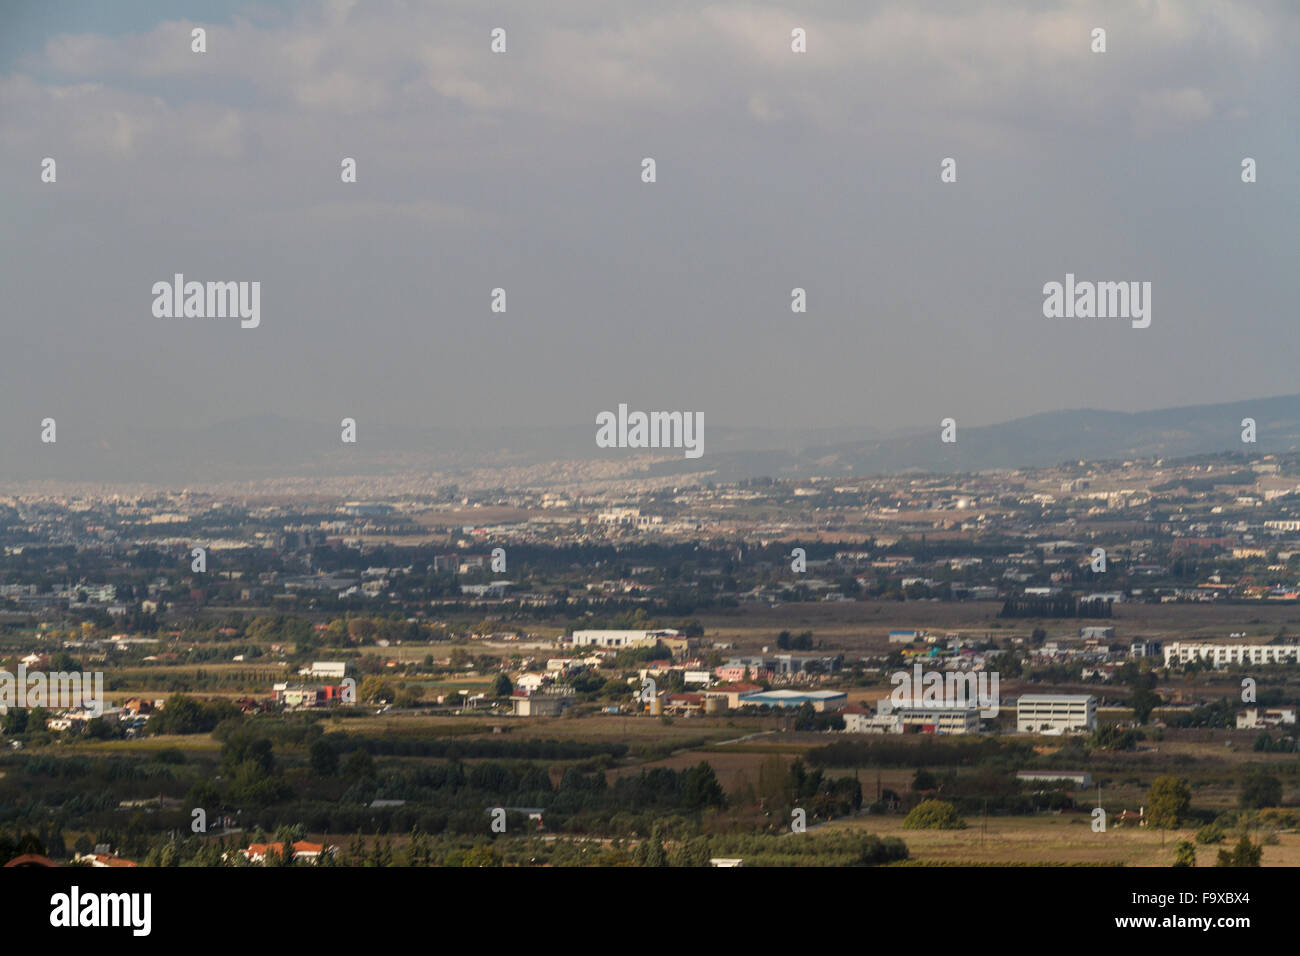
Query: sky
[{"x": 522, "y": 171}]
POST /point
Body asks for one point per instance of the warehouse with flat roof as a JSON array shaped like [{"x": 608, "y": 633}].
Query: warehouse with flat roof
[{"x": 821, "y": 700}]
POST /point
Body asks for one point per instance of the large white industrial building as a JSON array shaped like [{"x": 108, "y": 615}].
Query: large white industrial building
[
  {"x": 916, "y": 715},
  {"x": 1222, "y": 655},
  {"x": 620, "y": 639},
  {"x": 1056, "y": 713}
]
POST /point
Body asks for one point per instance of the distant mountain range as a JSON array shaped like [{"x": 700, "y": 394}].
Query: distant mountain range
[
  {"x": 271, "y": 447},
  {"x": 1041, "y": 440}
]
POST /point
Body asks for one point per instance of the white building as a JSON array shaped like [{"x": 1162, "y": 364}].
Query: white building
[
  {"x": 862, "y": 722},
  {"x": 1254, "y": 718},
  {"x": 620, "y": 639},
  {"x": 539, "y": 705},
  {"x": 1056, "y": 713},
  {"x": 628, "y": 518},
  {"x": 904, "y": 637},
  {"x": 531, "y": 682},
  {"x": 1079, "y": 778},
  {"x": 917, "y": 715},
  {"x": 1222, "y": 655},
  {"x": 336, "y": 670},
  {"x": 1096, "y": 632}
]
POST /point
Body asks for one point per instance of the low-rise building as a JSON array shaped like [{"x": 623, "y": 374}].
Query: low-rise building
[
  {"x": 620, "y": 640},
  {"x": 1079, "y": 778},
  {"x": 916, "y": 716},
  {"x": 539, "y": 705},
  {"x": 731, "y": 693},
  {"x": 821, "y": 700},
  {"x": 1255, "y": 718},
  {"x": 861, "y": 720}
]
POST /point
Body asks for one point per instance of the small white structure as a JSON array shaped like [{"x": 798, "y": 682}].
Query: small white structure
[
  {"x": 861, "y": 721},
  {"x": 336, "y": 670}
]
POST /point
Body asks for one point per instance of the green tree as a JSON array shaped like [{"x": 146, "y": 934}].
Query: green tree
[
  {"x": 374, "y": 689},
  {"x": 324, "y": 759},
  {"x": 700, "y": 787},
  {"x": 1113, "y": 737},
  {"x": 1168, "y": 802},
  {"x": 1210, "y": 833},
  {"x": 925, "y": 780},
  {"x": 693, "y": 852},
  {"x": 482, "y": 854},
  {"x": 1245, "y": 853},
  {"x": 356, "y": 855},
  {"x": 359, "y": 765},
  {"x": 934, "y": 815},
  {"x": 1259, "y": 789},
  {"x": 650, "y": 852},
  {"x": 14, "y": 722},
  {"x": 1185, "y": 853}
]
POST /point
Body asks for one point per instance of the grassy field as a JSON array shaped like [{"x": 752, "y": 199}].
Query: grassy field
[
  {"x": 850, "y": 626},
  {"x": 1061, "y": 839}
]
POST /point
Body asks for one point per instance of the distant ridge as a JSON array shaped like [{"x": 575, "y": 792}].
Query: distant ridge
[
  {"x": 270, "y": 447},
  {"x": 1041, "y": 440}
]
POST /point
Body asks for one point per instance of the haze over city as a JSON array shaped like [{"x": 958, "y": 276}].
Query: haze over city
[{"x": 522, "y": 172}]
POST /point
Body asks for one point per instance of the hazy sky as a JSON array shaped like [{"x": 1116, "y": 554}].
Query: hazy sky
[{"x": 522, "y": 171}]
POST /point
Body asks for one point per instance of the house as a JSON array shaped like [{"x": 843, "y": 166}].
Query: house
[
  {"x": 301, "y": 696},
  {"x": 780, "y": 665},
  {"x": 860, "y": 720},
  {"x": 532, "y": 682},
  {"x": 686, "y": 704},
  {"x": 732, "y": 693},
  {"x": 98, "y": 860},
  {"x": 1254, "y": 718},
  {"x": 300, "y": 850}
]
